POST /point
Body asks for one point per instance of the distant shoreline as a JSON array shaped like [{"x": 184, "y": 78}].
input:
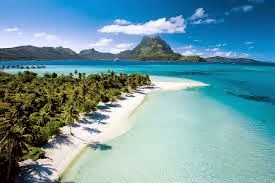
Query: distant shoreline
[{"x": 145, "y": 61}]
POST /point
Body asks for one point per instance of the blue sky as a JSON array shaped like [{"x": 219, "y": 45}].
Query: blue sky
[{"x": 232, "y": 28}]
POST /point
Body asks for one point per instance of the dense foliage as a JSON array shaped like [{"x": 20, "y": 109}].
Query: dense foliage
[
  {"x": 192, "y": 59},
  {"x": 33, "y": 108}
]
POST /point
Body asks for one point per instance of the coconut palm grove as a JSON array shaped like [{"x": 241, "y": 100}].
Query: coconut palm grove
[{"x": 33, "y": 108}]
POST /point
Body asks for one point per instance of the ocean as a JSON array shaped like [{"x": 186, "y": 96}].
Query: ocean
[{"x": 224, "y": 132}]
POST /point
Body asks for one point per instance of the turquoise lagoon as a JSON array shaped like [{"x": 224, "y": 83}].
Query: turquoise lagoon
[{"x": 224, "y": 132}]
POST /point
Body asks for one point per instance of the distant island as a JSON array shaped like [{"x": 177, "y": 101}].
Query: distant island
[
  {"x": 150, "y": 48},
  {"x": 22, "y": 67}
]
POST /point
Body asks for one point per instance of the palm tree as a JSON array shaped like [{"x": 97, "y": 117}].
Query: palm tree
[
  {"x": 36, "y": 105},
  {"x": 77, "y": 97},
  {"x": 13, "y": 141},
  {"x": 50, "y": 106},
  {"x": 80, "y": 75},
  {"x": 71, "y": 115},
  {"x": 62, "y": 98}
]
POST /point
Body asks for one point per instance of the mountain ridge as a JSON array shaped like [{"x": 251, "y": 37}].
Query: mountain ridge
[
  {"x": 150, "y": 48},
  {"x": 29, "y": 52}
]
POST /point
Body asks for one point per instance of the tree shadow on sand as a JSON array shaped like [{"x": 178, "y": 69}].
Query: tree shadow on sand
[
  {"x": 107, "y": 107},
  {"x": 104, "y": 108},
  {"x": 85, "y": 121},
  {"x": 99, "y": 146},
  {"x": 35, "y": 172},
  {"x": 60, "y": 139},
  {"x": 98, "y": 116},
  {"x": 92, "y": 130},
  {"x": 75, "y": 125},
  {"x": 130, "y": 95},
  {"x": 110, "y": 105},
  {"x": 102, "y": 123},
  {"x": 122, "y": 98},
  {"x": 140, "y": 91},
  {"x": 151, "y": 87}
]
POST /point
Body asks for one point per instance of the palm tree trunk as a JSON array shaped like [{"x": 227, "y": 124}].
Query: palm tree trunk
[
  {"x": 9, "y": 164},
  {"x": 71, "y": 131}
]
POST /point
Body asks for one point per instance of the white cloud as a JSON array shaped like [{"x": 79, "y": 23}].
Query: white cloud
[
  {"x": 207, "y": 21},
  {"x": 215, "y": 49},
  {"x": 244, "y": 8},
  {"x": 46, "y": 36},
  {"x": 191, "y": 52},
  {"x": 162, "y": 25},
  {"x": 40, "y": 34},
  {"x": 200, "y": 17},
  {"x": 243, "y": 55},
  {"x": 199, "y": 13},
  {"x": 46, "y": 39},
  {"x": 121, "y": 47},
  {"x": 121, "y": 22},
  {"x": 11, "y": 29},
  {"x": 221, "y": 45},
  {"x": 101, "y": 43},
  {"x": 248, "y": 42},
  {"x": 230, "y": 54},
  {"x": 187, "y": 47},
  {"x": 66, "y": 42},
  {"x": 106, "y": 45},
  {"x": 51, "y": 37},
  {"x": 124, "y": 46},
  {"x": 212, "y": 49},
  {"x": 188, "y": 53},
  {"x": 225, "y": 54}
]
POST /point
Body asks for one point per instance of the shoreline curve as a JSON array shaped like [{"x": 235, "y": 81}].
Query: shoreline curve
[{"x": 108, "y": 122}]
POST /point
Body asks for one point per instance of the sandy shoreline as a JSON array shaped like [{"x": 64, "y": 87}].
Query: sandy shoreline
[{"x": 110, "y": 121}]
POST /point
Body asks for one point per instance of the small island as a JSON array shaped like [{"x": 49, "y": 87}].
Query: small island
[
  {"x": 33, "y": 108},
  {"x": 43, "y": 118},
  {"x": 22, "y": 67}
]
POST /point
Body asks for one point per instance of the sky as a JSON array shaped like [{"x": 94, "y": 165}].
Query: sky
[{"x": 231, "y": 28}]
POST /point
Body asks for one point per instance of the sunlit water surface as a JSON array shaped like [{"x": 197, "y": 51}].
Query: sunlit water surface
[{"x": 224, "y": 132}]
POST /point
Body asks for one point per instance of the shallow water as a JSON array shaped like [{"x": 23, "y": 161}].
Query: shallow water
[
  {"x": 181, "y": 136},
  {"x": 224, "y": 132}
]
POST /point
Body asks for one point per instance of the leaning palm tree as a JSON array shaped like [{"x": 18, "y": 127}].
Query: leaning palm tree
[{"x": 71, "y": 114}]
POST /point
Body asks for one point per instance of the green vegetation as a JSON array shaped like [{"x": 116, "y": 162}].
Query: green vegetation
[
  {"x": 150, "y": 48},
  {"x": 33, "y": 108},
  {"x": 192, "y": 59},
  {"x": 224, "y": 59},
  {"x": 36, "y": 53},
  {"x": 92, "y": 53}
]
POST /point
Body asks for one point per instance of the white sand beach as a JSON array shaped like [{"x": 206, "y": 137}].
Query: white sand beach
[{"x": 95, "y": 129}]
